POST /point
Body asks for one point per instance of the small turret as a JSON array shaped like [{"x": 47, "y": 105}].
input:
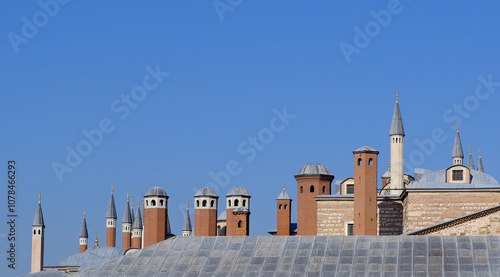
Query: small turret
[
  {"x": 137, "y": 228},
  {"x": 127, "y": 226},
  {"x": 84, "y": 235},
  {"x": 397, "y": 134},
  {"x": 480, "y": 163},
  {"x": 470, "y": 165},
  {"x": 111, "y": 221},
  {"x": 186, "y": 227},
  {"x": 38, "y": 238},
  {"x": 458, "y": 153},
  {"x": 284, "y": 207}
]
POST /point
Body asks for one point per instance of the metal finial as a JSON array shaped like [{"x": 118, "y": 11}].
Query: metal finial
[
  {"x": 457, "y": 126},
  {"x": 284, "y": 185},
  {"x": 84, "y": 213},
  {"x": 187, "y": 205},
  {"x": 470, "y": 149},
  {"x": 397, "y": 96},
  {"x": 139, "y": 202},
  {"x": 112, "y": 189},
  {"x": 132, "y": 205},
  {"x": 128, "y": 196},
  {"x": 479, "y": 152},
  {"x": 39, "y": 197},
  {"x": 389, "y": 165},
  {"x": 96, "y": 240}
]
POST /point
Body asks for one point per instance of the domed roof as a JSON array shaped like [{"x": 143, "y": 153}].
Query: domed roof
[
  {"x": 156, "y": 191},
  {"x": 93, "y": 256},
  {"x": 314, "y": 169},
  {"x": 222, "y": 216},
  {"x": 206, "y": 191},
  {"x": 238, "y": 191}
]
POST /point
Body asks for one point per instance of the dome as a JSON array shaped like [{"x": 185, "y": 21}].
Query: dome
[
  {"x": 206, "y": 191},
  {"x": 222, "y": 216},
  {"x": 92, "y": 257},
  {"x": 314, "y": 169},
  {"x": 156, "y": 191},
  {"x": 238, "y": 191}
]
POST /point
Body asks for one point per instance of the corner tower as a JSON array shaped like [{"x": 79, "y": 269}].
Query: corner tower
[
  {"x": 205, "y": 212},
  {"x": 312, "y": 180},
  {"x": 458, "y": 153},
  {"x": 365, "y": 191},
  {"x": 38, "y": 238},
  {"x": 84, "y": 235},
  {"x": 155, "y": 216},
  {"x": 111, "y": 221},
  {"x": 284, "y": 207},
  {"x": 237, "y": 199},
  {"x": 397, "y": 134},
  {"x": 127, "y": 226}
]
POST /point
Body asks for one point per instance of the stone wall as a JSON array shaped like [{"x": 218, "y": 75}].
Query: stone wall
[
  {"x": 426, "y": 208},
  {"x": 335, "y": 213},
  {"x": 488, "y": 225}
]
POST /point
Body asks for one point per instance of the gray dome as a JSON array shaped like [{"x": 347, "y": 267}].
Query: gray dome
[
  {"x": 238, "y": 191},
  {"x": 92, "y": 257},
  {"x": 206, "y": 191},
  {"x": 314, "y": 169},
  {"x": 156, "y": 191},
  {"x": 222, "y": 216}
]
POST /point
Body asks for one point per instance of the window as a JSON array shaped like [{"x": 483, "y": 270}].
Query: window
[
  {"x": 349, "y": 189},
  {"x": 324, "y": 189},
  {"x": 350, "y": 229},
  {"x": 153, "y": 203},
  {"x": 147, "y": 204},
  {"x": 458, "y": 175},
  {"x": 204, "y": 203},
  {"x": 239, "y": 224},
  {"x": 281, "y": 207},
  {"x": 161, "y": 203},
  {"x": 236, "y": 203},
  {"x": 286, "y": 207},
  {"x": 311, "y": 189},
  {"x": 244, "y": 202},
  {"x": 301, "y": 189},
  {"x": 360, "y": 162},
  {"x": 197, "y": 203},
  {"x": 229, "y": 203},
  {"x": 370, "y": 161},
  {"x": 218, "y": 230},
  {"x": 212, "y": 204}
]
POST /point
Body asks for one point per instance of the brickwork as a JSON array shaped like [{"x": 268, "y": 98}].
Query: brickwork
[
  {"x": 110, "y": 237},
  {"x": 284, "y": 208},
  {"x": 155, "y": 225},
  {"x": 126, "y": 240},
  {"x": 365, "y": 193},
  {"x": 205, "y": 222},
  {"x": 335, "y": 214},
  {"x": 427, "y": 208},
  {"x": 242, "y": 224},
  {"x": 307, "y": 188},
  {"x": 83, "y": 248}
]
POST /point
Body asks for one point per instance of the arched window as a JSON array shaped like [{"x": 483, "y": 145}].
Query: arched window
[
  {"x": 39, "y": 231},
  {"x": 153, "y": 203},
  {"x": 218, "y": 230},
  {"x": 286, "y": 207},
  {"x": 370, "y": 161},
  {"x": 161, "y": 203},
  {"x": 236, "y": 203},
  {"x": 229, "y": 203},
  {"x": 324, "y": 189},
  {"x": 244, "y": 203},
  {"x": 212, "y": 204},
  {"x": 360, "y": 162},
  {"x": 34, "y": 232},
  {"x": 147, "y": 204},
  {"x": 281, "y": 207},
  {"x": 301, "y": 189},
  {"x": 239, "y": 224},
  {"x": 204, "y": 203},
  {"x": 311, "y": 189},
  {"x": 197, "y": 203}
]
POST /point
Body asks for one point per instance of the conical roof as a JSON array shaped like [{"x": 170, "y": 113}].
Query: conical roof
[
  {"x": 38, "y": 215},
  {"x": 138, "y": 219},
  {"x": 127, "y": 217},
  {"x": 284, "y": 195},
  {"x": 480, "y": 163},
  {"x": 111, "y": 213},
  {"x": 470, "y": 165},
  {"x": 187, "y": 222},
  {"x": 397, "y": 122},
  {"x": 83, "y": 231},
  {"x": 457, "y": 147}
]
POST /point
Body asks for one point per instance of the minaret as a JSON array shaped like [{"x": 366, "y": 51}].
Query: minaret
[
  {"x": 155, "y": 216},
  {"x": 284, "y": 207},
  {"x": 458, "y": 153},
  {"x": 111, "y": 222},
  {"x": 37, "y": 241},
  {"x": 205, "y": 212},
  {"x": 137, "y": 228},
  {"x": 237, "y": 212},
  {"x": 397, "y": 135},
  {"x": 84, "y": 235},
  {"x": 480, "y": 163},
  {"x": 365, "y": 191},
  {"x": 470, "y": 165},
  {"x": 186, "y": 228},
  {"x": 127, "y": 226}
]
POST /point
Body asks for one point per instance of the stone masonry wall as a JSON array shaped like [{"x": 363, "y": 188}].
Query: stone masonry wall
[
  {"x": 424, "y": 209},
  {"x": 485, "y": 226}
]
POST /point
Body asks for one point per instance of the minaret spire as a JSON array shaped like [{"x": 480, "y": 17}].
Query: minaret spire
[
  {"x": 126, "y": 225},
  {"x": 458, "y": 153},
  {"x": 137, "y": 227},
  {"x": 470, "y": 165},
  {"x": 397, "y": 134},
  {"x": 186, "y": 227},
  {"x": 111, "y": 221},
  {"x": 84, "y": 235},
  {"x": 38, "y": 238},
  {"x": 480, "y": 163}
]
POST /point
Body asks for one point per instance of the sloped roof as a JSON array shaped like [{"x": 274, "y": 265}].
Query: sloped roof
[
  {"x": 426, "y": 179},
  {"x": 111, "y": 212},
  {"x": 365, "y": 149},
  {"x": 187, "y": 222},
  {"x": 127, "y": 217},
  {"x": 137, "y": 220},
  {"x": 284, "y": 195},
  {"x": 310, "y": 256},
  {"x": 458, "y": 151},
  {"x": 47, "y": 273},
  {"x": 93, "y": 256},
  {"x": 222, "y": 216},
  {"x": 38, "y": 221},
  {"x": 83, "y": 231}
]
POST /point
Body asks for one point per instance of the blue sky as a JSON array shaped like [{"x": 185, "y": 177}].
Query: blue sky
[{"x": 233, "y": 66}]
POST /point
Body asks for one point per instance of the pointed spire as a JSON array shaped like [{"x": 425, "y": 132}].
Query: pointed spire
[
  {"x": 96, "y": 240},
  {"x": 457, "y": 147},
  {"x": 83, "y": 231},
  {"x": 132, "y": 212},
  {"x": 480, "y": 163},
  {"x": 111, "y": 213},
  {"x": 187, "y": 220},
  {"x": 127, "y": 218},
  {"x": 397, "y": 121},
  {"x": 138, "y": 219},
  {"x": 284, "y": 195},
  {"x": 470, "y": 165},
  {"x": 38, "y": 214}
]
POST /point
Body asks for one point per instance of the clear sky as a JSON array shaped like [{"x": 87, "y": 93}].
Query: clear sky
[{"x": 263, "y": 86}]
